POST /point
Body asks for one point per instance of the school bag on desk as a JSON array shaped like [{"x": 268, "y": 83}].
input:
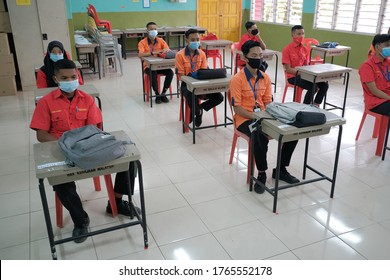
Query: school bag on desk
[
  {"x": 296, "y": 114},
  {"x": 89, "y": 147}
]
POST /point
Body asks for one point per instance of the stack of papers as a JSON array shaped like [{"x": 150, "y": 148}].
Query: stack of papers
[{"x": 81, "y": 40}]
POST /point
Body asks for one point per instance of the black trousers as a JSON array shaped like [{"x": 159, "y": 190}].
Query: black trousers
[
  {"x": 168, "y": 78},
  {"x": 321, "y": 89},
  {"x": 72, "y": 202},
  {"x": 382, "y": 109},
  {"x": 211, "y": 100},
  {"x": 261, "y": 147}
]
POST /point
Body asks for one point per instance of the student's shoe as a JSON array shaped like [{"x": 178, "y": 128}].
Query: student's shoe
[
  {"x": 164, "y": 98},
  {"x": 79, "y": 231},
  {"x": 262, "y": 177},
  {"x": 285, "y": 176},
  {"x": 123, "y": 209},
  {"x": 158, "y": 99},
  {"x": 198, "y": 118}
]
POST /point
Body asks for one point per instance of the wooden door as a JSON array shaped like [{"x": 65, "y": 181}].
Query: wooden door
[{"x": 222, "y": 17}]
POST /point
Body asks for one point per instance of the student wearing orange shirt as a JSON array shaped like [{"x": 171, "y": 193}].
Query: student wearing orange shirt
[
  {"x": 251, "y": 92},
  {"x": 188, "y": 61},
  {"x": 67, "y": 108},
  {"x": 153, "y": 46},
  {"x": 295, "y": 54},
  {"x": 55, "y": 51}
]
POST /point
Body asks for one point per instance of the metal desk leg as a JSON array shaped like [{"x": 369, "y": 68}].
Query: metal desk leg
[
  {"x": 277, "y": 175},
  {"x": 142, "y": 199},
  {"x": 47, "y": 219},
  {"x": 336, "y": 160},
  {"x": 305, "y": 159},
  {"x": 276, "y": 72},
  {"x": 193, "y": 116},
  {"x": 150, "y": 88},
  {"x": 346, "y": 82},
  {"x": 99, "y": 102},
  {"x": 385, "y": 148}
]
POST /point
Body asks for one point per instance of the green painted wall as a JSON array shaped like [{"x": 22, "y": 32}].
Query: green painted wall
[
  {"x": 123, "y": 20},
  {"x": 277, "y": 36}
]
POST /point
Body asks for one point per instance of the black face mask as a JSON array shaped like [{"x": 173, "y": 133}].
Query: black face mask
[
  {"x": 255, "y": 63},
  {"x": 255, "y": 31}
]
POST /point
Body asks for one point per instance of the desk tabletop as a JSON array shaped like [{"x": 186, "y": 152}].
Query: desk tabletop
[
  {"x": 90, "y": 89},
  {"x": 207, "y": 86},
  {"x": 275, "y": 128},
  {"x": 158, "y": 60},
  {"x": 326, "y": 68},
  {"x": 216, "y": 42},
  {"x": 339, "y": 47},
  {"x": 49, "y": 162}
]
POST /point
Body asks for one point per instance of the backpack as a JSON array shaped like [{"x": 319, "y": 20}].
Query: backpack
[
  {"x": 89, "y": 147},
  {"x": 207, "y": 74},
  {"x": 328, "y": 45},
  {"x": 296, "y": 114},
  {"x": 168, "y": 54}
]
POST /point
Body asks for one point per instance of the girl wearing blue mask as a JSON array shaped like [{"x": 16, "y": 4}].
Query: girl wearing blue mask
[{"x": 55, "y": 52}]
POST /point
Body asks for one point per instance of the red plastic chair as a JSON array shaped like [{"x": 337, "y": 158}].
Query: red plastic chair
[
  {"x": 96, "y": 181},
  {"x": 379, "y": 130},
  {"x": 214, "y": 54},
  {"x": 308, "y": 42},
  {"x": 104, "y": 23},
  {"x": 235, "y": 138},
  {"x": 298, "y": 93},
  {"x": 187, "y": 108},
  {"x": 235, "y": 57}
]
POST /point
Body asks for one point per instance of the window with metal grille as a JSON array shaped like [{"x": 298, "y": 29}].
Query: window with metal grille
[
  {"x": 277, "y": 11},
  {"x": 363, "y": 16}
]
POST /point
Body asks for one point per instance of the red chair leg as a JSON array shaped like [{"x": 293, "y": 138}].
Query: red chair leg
[
  {"x": 381, "y": 135},
  {"x": 234, "y": 142},
  {"x": 215, "y": 117},
  {"x": 361, "y": 126},
  {"x": 59, "y": 210},
  {"x": 96, "y": 182},
  {"x": 111, "y": 195}
]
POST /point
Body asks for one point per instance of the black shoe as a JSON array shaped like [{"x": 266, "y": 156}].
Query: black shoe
[
  {"x": 262, "y": 177},
  {"x": 285, "y": 176},
  {"x": 164, "y": 98},
  {"x": 198, "y": 118},
  {"x": 158, "y": 99},
  {"x": 124, "y": 209},
  {"x": 78, "y": 231}
]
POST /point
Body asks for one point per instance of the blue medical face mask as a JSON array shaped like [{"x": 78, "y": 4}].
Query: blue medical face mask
[
  {"x": 194, "y": 45},
  {"x": 386, "y": 52},
  {"x": 69, "y": 86},
  {"x": 153, "y": 33},
  {"x": 56, "y": 57}
]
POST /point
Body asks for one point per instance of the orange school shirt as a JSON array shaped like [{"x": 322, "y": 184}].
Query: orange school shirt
[
  {"x": 146, "y": 46},
  {"x": 186, "y": 64},
  {"x": 242, "y": 94},
  {"x": 56, "y": 114},
  {"x": 373, "y": 70},
  {"x": 294, "y": 55}
]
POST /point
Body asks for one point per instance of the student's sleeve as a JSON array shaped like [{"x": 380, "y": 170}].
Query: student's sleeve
[
  {"x": 41, "y": 79},
  {"x": 285, "y": 56},
  {"x": 367, "y": 74},
  {"x": 235, "y": 91},
  {"x": 179, "y": 64},
  {"x": 94, "y": 113},
  {"x": 41, "y": 119},
  {"x": 142, "y": 47},
  {"x": 81, "y": 82},
  {"x": 164, "y": 45},
  {"x": 203, "y": 62}
]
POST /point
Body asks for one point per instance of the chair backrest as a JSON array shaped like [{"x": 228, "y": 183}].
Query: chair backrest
[
  {"x": 210, "y": 37},
  {"x": 91, "y": 10},
  {"x": 229, "y": 97},
  {"x": 308, "y": 42}
]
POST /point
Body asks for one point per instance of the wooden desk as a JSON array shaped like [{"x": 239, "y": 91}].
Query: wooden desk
[
  {"x": 204, "y": 87},
  {"x": 332, "y": 52},
  {"x": 323, "y": 73},
  {"x": 282, "y": 133},
  {"x": 90, "y": 89},
  {"x": 209, "y": 45},
  {"x": 154, "y": 64},
  {"x": 49, "y": 163},
  {"x": 89, "y": 50}
]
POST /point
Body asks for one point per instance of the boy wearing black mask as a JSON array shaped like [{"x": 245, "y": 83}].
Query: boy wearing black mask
[
  {"x": 251, "y": 92},
  {"x": 252, "y": 34}
]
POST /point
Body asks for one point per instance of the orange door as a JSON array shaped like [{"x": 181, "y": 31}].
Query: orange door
[{"x": 222, "y": 17}]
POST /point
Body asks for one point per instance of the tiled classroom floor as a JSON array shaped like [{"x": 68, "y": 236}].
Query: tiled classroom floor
[{"x": 198, "y": 206}]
